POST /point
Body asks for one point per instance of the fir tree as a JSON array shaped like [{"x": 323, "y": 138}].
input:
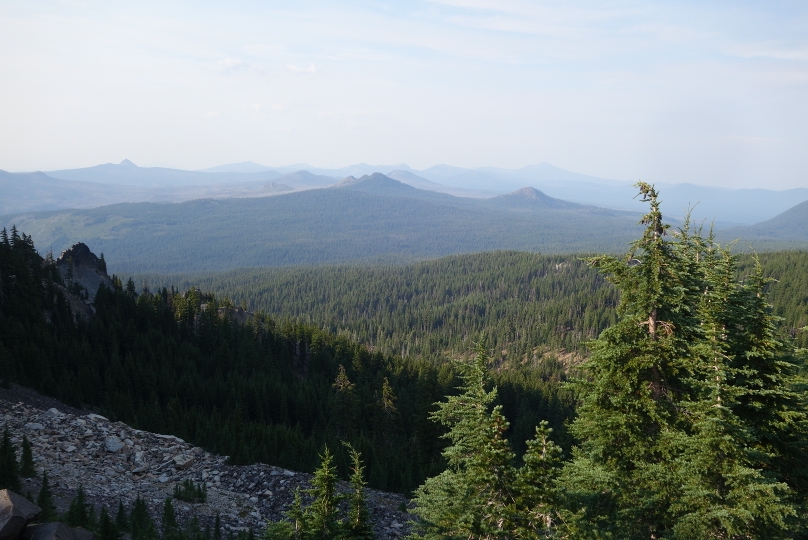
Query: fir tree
[
  {"x": 45, "y": 501},
  {"x": 537, "y": 499},
  {"x": 169, "y": 521},
  {"x": 474, "y": 497},
  {"x": 121, "y": 521},
  {"x": 666, "y": 447},
  {"x": 9, "y": 468},
  {"x": 217, "y": 528},
  {"x": 141, "y": 522},
  {"x": 357, "y": 525},
  {"x": 80, "y": 513},
  {"x": 322, "y": 515},
  {"x": 27, "y": 469},
  {"x": 106, "y": 527}
]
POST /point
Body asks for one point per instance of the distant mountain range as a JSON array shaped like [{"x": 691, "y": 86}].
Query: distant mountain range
[
  {"x": 371, "y": 218},
  {"x": 125, "y": 182}
]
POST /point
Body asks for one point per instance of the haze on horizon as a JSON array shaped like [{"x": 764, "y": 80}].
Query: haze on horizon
[{"x": 705, "y": 92}]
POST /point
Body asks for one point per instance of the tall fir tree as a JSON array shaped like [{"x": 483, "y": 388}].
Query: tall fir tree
[
  {"x": 322, "y": 515},
  {"x": 45, "y": 501},
  {"x": 474, "y": 497},
  {"x": 9, "y": 468},
  {"x": 357, "y": 525},
  {"x": 141, "y": 523},
  {"x": 27, "y": 469},
  {"x": 80, "y": 513},
  {"x": 668, "y": 448}
]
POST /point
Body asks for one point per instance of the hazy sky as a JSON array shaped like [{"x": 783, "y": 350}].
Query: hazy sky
[{"x": 704, "y": 92}]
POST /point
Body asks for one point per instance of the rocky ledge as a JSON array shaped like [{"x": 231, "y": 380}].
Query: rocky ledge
[{"x": 113, "y": 462}]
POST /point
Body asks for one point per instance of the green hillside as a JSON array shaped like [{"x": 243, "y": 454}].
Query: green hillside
[
  {"x": 526, "y": 303},
  {"x": 171, "y": 362}
]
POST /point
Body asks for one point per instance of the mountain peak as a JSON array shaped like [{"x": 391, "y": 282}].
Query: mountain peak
[
  {"x": 127, "y": 163},
  {"x": 530, "y": 198},
  {"x": 529, "y": 193}
]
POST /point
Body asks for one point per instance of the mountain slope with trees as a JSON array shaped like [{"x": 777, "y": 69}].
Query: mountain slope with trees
[{"x": 181, "y": 363}]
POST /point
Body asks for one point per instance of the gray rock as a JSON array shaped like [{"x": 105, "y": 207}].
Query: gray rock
[
  {"x": 34, "y": 426},
  {"x": 113, "y": 444},
  {"x": 97, "y": 417},
  {"x": 15, "y": 513},
  {"x": 48, "y": 531},
  {"x": 52, "y": 413},
  {"x": 183, "y": 461}
]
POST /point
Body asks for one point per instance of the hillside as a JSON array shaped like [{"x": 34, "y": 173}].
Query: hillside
[
  {"x": 526, "y": 304},
  {"x": 238, "y": 384},
  {"x": 786, "y": 230},
  {"x": 373, "y": 219}
]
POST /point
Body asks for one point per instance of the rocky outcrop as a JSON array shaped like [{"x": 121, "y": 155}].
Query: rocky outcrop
[
  {"x": 113, "y": 462},
  {"x": 15, "y": 513},
  {"x": 79, "y": 265}
]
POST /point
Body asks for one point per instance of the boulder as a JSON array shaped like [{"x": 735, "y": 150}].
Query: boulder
[
  {"x": 15, "y": 513},
  {"x": 113, "y": 444},
  {"x": 48, "y": 531},
  {"x": 183, "y": 461}
]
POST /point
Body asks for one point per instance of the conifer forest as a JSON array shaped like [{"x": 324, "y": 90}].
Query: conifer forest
[{"x": 656, "y": 394}]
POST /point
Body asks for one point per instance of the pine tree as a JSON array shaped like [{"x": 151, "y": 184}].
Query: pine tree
[
  {"x": 169, "y": 521},
  {"x": 322, "y": 515},
  {"x": 474, "y": 497},
  {"x": 141, "y": 522},
  {"x": 121, "y": 521},
  {"x": 80, "y": 513},
  {"x": 9, "y": 468},
  {"x": 357, "y": 526},
  {"x": 45, "y": 501},
  {"x": 217, "y": 528},
  {"x": 665, "y": 448},
  {"x": 27, "y": 469},
  {"x": 537, "y": 498},
  {"x": 106, "y": 527}
]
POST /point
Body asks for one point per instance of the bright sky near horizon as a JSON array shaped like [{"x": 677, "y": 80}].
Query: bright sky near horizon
[{"x": 704, "y": 92}]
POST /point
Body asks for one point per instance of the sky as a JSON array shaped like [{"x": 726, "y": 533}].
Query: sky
[{"x": 712, "y": 93}]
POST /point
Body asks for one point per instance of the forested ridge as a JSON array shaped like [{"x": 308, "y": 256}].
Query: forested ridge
[
  {"x": 168, "y": 362},
  {"x": 526, "y": 304}
]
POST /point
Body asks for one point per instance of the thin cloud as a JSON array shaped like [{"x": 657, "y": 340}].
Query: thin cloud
[
  {"x": 295, "y": 69},
  {"x": 231, "y": 65}
]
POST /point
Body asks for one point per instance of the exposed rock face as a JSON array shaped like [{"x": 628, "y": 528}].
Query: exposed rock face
[
  {"x": 113, "y": 461},
  {"x": 80, "y": 265},
  {"x": 15, "y": 513}
]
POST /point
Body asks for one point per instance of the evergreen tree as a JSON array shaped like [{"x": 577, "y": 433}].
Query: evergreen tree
[
  {"x": 141, "y": 522},
  {"x": 217, "y": 528},
  {"x": 45, "y": 501},
  {"x": 474, "y": 497},
  {"x": 27, "y": 469},
  {"x": 106, "y": 527},
  {"x": 169, "y": 521},
  {"x": 121, "y": 521},
  {"x": 9, "y": 468},
  {"x": 664, "y": 451},
  {"x": 537, "y": 500},
  {"x": 357, "y": 525},
  {"x": 322, "y": 515},
  {"x": 80, "y": 513}
]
